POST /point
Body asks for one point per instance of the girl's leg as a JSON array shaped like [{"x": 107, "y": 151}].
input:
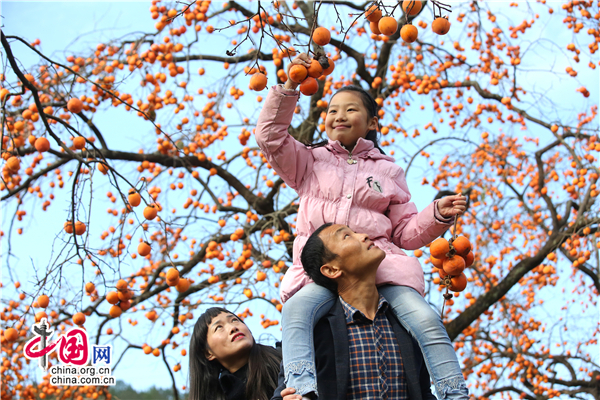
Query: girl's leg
[
  {"x": 426, "y": 326},
  {"x": 299, "y": 316}
]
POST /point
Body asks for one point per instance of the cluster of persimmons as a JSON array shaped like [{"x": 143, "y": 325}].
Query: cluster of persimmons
[{"x": 532, "y": 200}]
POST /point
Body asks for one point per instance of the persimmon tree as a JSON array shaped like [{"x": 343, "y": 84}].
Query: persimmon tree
[{"x": 196, "y": 216}]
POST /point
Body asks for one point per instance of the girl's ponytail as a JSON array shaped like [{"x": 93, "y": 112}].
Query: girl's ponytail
[{"x": 372, "y": 136}]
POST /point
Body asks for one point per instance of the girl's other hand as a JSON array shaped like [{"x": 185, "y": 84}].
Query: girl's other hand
[
  {"x": 288, "y": 394},
  {"x": 301, "y": 59},
  {"x": 450, "y": 206}
]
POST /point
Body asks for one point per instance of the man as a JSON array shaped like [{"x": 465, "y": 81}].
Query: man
[{"x": 361, "y": 350}]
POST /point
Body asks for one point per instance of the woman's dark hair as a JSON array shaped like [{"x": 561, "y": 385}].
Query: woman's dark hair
[
  {"x": 263, "y": 365},
  {"x": 371, "y": 106},
  {"x": 314, "y": 255}
]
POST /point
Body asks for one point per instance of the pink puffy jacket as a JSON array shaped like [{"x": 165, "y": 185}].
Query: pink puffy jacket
[{"x": 369, "y": 195}]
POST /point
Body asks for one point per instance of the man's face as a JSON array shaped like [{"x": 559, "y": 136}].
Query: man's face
[{"x": 357, "y": 254}]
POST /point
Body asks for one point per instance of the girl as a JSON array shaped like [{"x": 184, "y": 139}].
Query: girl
[
  {"x": 349, "y": 180},
  {"x": 226, "y": 363}
]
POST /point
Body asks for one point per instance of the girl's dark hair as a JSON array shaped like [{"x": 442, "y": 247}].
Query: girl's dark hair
[
  {"x": 314, "y": 255},
  {"x": 263, "y": 365},
  {"x": 371, "y": 106}
]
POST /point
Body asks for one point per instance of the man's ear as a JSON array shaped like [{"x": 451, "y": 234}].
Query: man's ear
[{"x": 331, "y": 271}]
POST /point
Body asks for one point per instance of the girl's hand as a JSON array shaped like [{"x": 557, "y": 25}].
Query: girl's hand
[
  {"x": 301, "y": 59},
  {"x": 450, "y": 206},
  {"x": 288, "y": 394}
]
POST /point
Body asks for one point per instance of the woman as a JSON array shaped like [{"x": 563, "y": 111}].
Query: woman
[{"x": 225, "y": 361}]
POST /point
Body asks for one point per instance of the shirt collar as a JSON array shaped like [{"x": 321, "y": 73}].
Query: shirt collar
[
  {"x": 363, "y": 149},
  {"x": 362, "y": 146},
  {"x": 354, "y": 315}
]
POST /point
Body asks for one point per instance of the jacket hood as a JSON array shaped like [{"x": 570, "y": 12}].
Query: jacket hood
[{"x": 363, "y": 149}]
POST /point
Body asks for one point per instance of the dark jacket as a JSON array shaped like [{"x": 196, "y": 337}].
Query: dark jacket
[
  {"x": 234, "y": 385},
  {"x": 332, "y": 357}
]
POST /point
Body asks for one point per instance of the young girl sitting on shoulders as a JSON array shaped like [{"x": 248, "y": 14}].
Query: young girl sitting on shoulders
[{"x": 349, "y": 180}]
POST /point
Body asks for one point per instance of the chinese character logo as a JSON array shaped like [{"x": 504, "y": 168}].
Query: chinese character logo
[
  {"x": 72, "y": 347},
  {"x": 101, "y": 354}
]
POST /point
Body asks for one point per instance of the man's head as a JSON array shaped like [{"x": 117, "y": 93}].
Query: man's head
[{"x": 334, "y": 254}]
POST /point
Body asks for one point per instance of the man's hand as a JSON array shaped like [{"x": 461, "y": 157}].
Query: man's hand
[
  {"x": 301, "y": 59},
  {"x": 450, "y": 206},
  {"x": 288, "y": 394}
]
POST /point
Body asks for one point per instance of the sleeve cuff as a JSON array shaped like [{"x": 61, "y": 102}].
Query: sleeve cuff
[
  {"x": 439, "y": 216},
  {"x": 289, "y": 92}
]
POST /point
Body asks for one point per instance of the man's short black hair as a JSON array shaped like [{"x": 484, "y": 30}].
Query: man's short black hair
[{"x": 314, "y": 255}]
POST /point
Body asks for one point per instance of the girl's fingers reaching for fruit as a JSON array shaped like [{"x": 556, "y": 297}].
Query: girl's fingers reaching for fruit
[{"x": 302, "y": 59}]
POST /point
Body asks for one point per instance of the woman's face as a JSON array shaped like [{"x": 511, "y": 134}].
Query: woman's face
[
  {"x": 347, "y": 119},
  {"x": 229, "y": 341}
]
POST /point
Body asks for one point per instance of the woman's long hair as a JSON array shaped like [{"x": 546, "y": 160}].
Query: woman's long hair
[
  {"x": 263, "y": 365},
  {"x": 371, "y": 106}
]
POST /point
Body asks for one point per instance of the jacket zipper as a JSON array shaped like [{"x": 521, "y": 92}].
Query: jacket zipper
[{"x": 350, "y": 160}]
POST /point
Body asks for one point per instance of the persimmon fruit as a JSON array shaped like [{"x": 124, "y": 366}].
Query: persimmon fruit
[
  {"x": 409, "y": 33},
  {"x": 297, "y": 73},
  {"x": 458, "y": 283},
  {"x": 183, "y": 285},
  {"x": 75, "y": 105},
  {"x": 315, "y": 70},
  {"x": 134, "y": 198},
  {"x": 121, "y": 285},
  {"x": 437, "y": 262},
  {"x": 11, "y": 334},
  {"x": 13, "y": 164},
  {"x": 412, "y": 7},
  {"x": 79, "y": 142},
  {"x": 124, "y": 305},
  {"x": 150, "y": 212},
  {"x": 172, "y": 277},
  {"x": 144, "y": 249},
  {"x": 469, "y": 258},
  {"x": 258, "y": 81},
  {"x": 260, "y": 276},
  {"x": 440, "y": 25},
  {"x": 321, "y": 36},
  {"x": 461, "y": 245},
  {"x": 79, "y": 318},
  {"x": 43, "y": 301},
  {"x": 375, "y": 28},
  {"x": 439, "y": 247},
  {"x": 80, "y": 228},
  {"x": 373, "y": 14},
  {"x": 90, "y": 287},
  {"x": 309, "y": 86},
  {"x": 103, "y": 168},
  {"x": 329, "y": 69},
  {"x": 68, "y": 227},
  {"x": 112, "y": 297},
  {"x": 42, "y": 144},
  {"x": 39, "y": 315},
  {"x": 388, "y": 26},
  {"x": 115, "y": 311},
  {"x": 454, "y": 265},
  {"x": 442, "y": 273}
]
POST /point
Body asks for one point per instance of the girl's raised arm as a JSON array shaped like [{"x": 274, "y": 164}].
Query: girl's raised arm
[
  {"x": 289, "y": 158},
  {"x": 412, "y": 229}
]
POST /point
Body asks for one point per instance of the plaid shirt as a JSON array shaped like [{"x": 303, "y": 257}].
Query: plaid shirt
[{"x": 376, "y": 369}]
